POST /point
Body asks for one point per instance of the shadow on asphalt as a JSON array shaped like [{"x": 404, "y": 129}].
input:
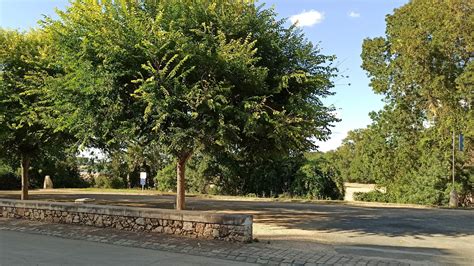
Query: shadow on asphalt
[
  {"x": 441, "y": 256},
  {"x": 384, "y": 221}
]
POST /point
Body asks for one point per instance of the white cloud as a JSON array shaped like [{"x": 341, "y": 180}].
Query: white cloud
[
  {"x": 307, "y": 18},
  {"x": 354, "y": 14}
]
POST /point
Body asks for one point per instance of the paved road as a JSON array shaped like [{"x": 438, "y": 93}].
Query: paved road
[
  {"x": 420, "y": 234},
  {"x": 260, "y": 253},
  {"x": 17, "y": 248}
]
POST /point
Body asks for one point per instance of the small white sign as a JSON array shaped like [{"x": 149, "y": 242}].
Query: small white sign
[{"x": 142, "y": 178}]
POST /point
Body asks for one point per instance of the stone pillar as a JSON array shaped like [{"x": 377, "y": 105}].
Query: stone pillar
[{"x": 48, "y": 183}]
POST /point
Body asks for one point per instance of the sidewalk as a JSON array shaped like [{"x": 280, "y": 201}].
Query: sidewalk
[
  {"x": 24, "y": 249},
  {"x": 259, "y": 253}
]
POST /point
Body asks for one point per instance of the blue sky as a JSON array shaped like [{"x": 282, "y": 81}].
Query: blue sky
[
  {"x": 339, "y": 29},
  {"x": 337, "y": 26}
]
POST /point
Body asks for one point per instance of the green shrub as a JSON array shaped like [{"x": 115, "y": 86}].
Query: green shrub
[
  {"x": 213, "y": 190},
  {"x": 104, "y": 181},
  {"x": 117, "y": 182},
  {"x": 101, "y": 181},
  {"x": 314, "y": 183},
  {"x": 372, "y": 196},
  {"x": 9, "y": 181},
  {"x": 165, "y": 179}
]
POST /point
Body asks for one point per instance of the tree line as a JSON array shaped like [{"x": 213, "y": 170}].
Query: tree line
[
  {"x": 424, "y": 68},
  {"x": 226, "y": 90}
]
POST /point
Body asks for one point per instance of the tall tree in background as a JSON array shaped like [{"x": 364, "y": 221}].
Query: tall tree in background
[
  {"x": 424, "y": 67},
  {"x": 24, "y": 67},
  {"x": 190, "y": 75}
]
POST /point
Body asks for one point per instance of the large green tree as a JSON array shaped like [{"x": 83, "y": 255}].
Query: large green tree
[
  {"x": 191, "y": 75},
  {"x": 25, "y": 66},
  {"x": 424, "y": 68}
]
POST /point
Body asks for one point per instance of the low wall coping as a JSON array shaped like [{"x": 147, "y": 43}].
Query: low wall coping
[{"x": 185, "y": 216}]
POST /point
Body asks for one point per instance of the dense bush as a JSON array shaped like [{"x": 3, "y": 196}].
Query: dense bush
[
  {"x": 313, "y": 183},
  {"x": 296, "y": 176},
  {"x": 199, "y": 175},
  {"x": 8, "y": 179},
  {"x": 407, "y": 148},
  {"x": 63, "y": 174},
  {"x": 105, "y": 181},
  {"x": 62, "y": 169},
  {"x": 266, "y": 177},
  {"x": 165, "y": 179},
  {"x": 372, "y": 196}
]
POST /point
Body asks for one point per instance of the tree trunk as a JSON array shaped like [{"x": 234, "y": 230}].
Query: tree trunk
[
  {"x": 25, "y": 165},
  {"x": 181, "y": 184}
]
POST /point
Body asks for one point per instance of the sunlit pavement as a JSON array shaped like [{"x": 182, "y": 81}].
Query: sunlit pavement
[
  {"x": 20, "y": 248},
  {"x": 24, "y": 242}
]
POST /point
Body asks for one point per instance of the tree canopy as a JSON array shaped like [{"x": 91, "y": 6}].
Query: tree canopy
[
  {"x": 211, "y": 76},
  {"x": 423, "y": 67},
  {"x": 25, "y": 68}
]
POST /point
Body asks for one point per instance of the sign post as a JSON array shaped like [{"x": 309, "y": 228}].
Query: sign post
[
  {"x": 143, "y": 179},
  {"x": 453, "y": 196}
]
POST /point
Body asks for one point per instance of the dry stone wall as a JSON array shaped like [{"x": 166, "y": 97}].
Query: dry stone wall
[{"x": 229, "y": 227}]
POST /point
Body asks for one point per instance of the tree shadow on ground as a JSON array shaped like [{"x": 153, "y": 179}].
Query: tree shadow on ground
[{"x": 419, "y": 255}]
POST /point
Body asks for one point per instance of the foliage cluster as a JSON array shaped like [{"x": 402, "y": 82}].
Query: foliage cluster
[
  {"x": 62, "y": 168},
  {"x": 372, "y": 196},
  {"x": 221, "y": 80},
  {"x": 310, "y": 176},
  {"x": 105, "y": 181},
  {"x": 424, "y": 68}
]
